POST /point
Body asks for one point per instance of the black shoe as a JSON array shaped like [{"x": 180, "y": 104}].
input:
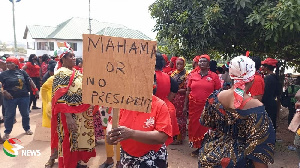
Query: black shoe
[{"x": 35, "y": 108}]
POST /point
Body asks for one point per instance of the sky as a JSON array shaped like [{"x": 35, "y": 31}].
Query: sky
[{"x": 133, "y": 14}]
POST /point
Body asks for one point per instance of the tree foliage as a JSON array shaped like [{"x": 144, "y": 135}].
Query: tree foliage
[{"x": 229, "y": 27}]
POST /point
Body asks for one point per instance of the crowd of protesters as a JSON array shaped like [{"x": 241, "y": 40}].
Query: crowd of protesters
[{"x": 228, "y": 113}]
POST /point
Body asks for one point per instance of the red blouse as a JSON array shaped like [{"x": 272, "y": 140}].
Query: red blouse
[
  {"x": 158, "y": 119},
  {"x": 202, "y": 87},
  {"x": 258, "y": 86},
  {"x": 33, "y": 70}
]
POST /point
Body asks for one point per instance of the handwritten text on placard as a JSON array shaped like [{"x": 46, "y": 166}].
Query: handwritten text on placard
[{"x": 118, "y": 72}]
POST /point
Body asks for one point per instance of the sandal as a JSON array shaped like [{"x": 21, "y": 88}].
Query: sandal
[
  {"x": 50, "y": 163},
  {"x": 118, "y": 164},
  {"x": 106, "y": 165},
  {"x": 195, "y": 153},
  {"x": 81, "y": 166}
]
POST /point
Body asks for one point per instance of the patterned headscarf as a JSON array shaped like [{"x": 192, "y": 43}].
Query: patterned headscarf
[
  {"x": 180, "y": 76},
  {"x": 242, "y": 71},
  {"x": 61, "y": 51}
]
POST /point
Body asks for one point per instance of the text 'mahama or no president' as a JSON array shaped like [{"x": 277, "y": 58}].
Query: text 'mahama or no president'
[{"x": 118, "y": 72}]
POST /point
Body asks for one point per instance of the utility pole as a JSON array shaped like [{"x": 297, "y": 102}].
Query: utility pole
[
  {"x": 90, "y": 26},
  {"x": 14, "y": 26}
]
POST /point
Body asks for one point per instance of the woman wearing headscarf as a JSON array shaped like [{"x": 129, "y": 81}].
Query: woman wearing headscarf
[
  {"x": 241, "y": 133},
  {"x": 44, "y": 65},
  {"x": 195, "y": 61},
  {"x": 166, "y": 89},
  {"x": 180, "y": 76},
  {"x": 172, "y": 66},
  {"x": 143, "y": 135},
  {"x": 33, "y": 70},
  {"x": 72, "y": 125},
  {"x": 272, "y": 87},
  {"x": 16, "y": 84},
  {"x": 200, "y": 85}
]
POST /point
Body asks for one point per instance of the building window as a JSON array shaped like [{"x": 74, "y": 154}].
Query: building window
[
  {"x": 42, "y": 45},
  {"x": 30, "y": 45},
  {"x": 73, "y": 46},
  {"x": 51, "y": 46}
]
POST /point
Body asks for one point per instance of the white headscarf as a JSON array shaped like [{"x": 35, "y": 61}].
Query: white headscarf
[{"x": 242, "y": 71}]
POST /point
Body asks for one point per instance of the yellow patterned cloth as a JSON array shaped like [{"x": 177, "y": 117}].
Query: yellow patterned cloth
[
  {"x": 73, "y": 146},
  {"x": 237, "y": 137}
]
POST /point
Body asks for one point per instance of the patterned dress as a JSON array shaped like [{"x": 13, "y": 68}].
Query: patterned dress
[
  {"x": 180, "y": 77},
  {"x": 238, "y": 137},
  {"x": 77, "y": 145}
]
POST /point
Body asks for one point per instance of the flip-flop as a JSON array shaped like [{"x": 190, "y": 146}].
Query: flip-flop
[
  {"x": 81, "y": 166},
  {"x": 106, "y": 165}
]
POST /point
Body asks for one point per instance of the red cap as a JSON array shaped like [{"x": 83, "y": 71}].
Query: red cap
[
  {"x": 270, "y": 61},
  {"x": 205, "y": 56}
]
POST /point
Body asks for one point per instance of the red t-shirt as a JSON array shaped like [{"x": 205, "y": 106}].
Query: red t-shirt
[
  {"x": 202, "y": 87},
  {"x": 258, "y": 86},
  {"x": 163, "y": 85},
  {"x": 33, "y": 70},
  {"x": 158, "y": 119}
]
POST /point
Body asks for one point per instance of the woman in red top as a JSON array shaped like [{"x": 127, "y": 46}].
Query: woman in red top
[
  {"x": 200, "y": 86},
  {"x": 172, "y": 66},
  {"x": 33, "y": 70},
  {"x": 142, "y": 136},
  {"x": 22, "y": 63},
  {"x": 166, "y": 90},
  {"x": 44, "y": 65}
]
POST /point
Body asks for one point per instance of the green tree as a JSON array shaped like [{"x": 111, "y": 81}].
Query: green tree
[{"x": 229, "y": 27}]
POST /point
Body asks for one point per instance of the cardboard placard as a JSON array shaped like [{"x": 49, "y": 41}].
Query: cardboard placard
[{"x": 118, "y": 72}]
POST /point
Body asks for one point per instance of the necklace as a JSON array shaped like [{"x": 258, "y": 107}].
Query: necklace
[{"x": 203, "y": 74}]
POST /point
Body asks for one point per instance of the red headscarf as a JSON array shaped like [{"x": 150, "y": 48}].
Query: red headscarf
[
  {"x": 173, "y": 60},
  {"x": 196, "y": 58},
  {"x": 205, "y": 56},
  {"x": 270, "y": 61},
  {"x": 13, "y": 60}
]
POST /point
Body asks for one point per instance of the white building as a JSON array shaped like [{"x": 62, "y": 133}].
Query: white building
[{"x": 43, "y": 39}]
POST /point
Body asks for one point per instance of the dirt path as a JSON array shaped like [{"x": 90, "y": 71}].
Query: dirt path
[{"x": 179, "y": 156}]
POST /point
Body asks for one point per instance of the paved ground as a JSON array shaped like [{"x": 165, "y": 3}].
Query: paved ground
[{"x": 178, "y": 155}]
